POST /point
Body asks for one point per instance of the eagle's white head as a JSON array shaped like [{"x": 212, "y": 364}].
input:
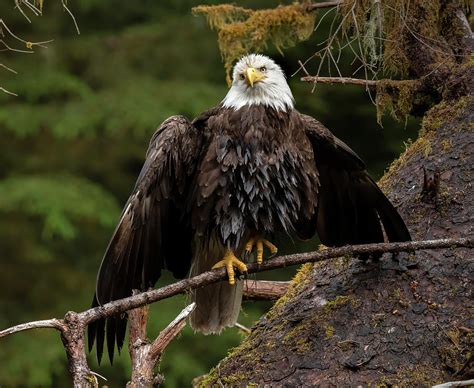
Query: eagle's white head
[{"x": 258, "y": 80}]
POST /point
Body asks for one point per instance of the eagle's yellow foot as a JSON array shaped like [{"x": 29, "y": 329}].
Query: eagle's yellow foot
[
  {"x": 259, "y": 243},
  {"x": 229, "y": 262}
]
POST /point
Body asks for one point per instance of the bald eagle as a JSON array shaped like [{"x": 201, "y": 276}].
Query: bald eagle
[{"x": 214, "y": 188}]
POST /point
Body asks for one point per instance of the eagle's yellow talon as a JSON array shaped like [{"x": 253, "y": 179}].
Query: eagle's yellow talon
[
  {"x": 259, "y": 243},
  {"x": 269, "y": 245},
  {"x": 229, "y": 262},
  {"x": 249, "y": 245},
  {"x": 259, "y": 251}
]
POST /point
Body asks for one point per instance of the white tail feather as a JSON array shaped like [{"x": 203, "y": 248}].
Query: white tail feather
[{"x": 217, "y": 305}]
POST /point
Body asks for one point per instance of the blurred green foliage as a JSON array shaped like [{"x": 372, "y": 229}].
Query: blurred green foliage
[{"x": 72, "y": 144}]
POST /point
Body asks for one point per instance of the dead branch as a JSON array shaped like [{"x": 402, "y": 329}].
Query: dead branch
[
  {"x": 209, "y": 277},
  {"x": 340, "y": 80},
  {"x": 65, "y": 7},
  {"x": 28, "y": 44},
  {"x": 8, "y": 92},
  {"x": 465, "y": 383},
  {"x": 145, "y": 355},
  {"x": 171, "y": 331},
  {"x": 323, "y": 4},
  {"x": 44, "y": 324},
  {"x": 72, "y": 327},
  {"x": 264, "y": 289},
  {"x": 243, "y": 328},
  {"x": 213, "y": 276}
]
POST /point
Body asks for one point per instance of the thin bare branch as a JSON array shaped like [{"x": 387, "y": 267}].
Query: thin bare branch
[
  {"x": 245, "y": 329},
  {"x": 44, "y": 324},
  {"x": 340, "y": 80},
  {"x": 215, "y": 275},
  {"x": 18, "y": 6},
  {"x": 451, "y": 384},
  {"x": 171, "y": 331},
  {"x": 28, "y": 44},
  {"x": 8, "y": 92},
  {"x": 8, "y": 68},
  {"x": 9, "y": 48},
  {"x": 63, "y": 2},
  {"x": 30, "y": 6},
  {"x": 323, "y": 4}
]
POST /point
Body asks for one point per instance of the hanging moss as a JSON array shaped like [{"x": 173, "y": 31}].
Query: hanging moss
[
  {"x": 383, "y": 29},
  {"x": 242, "y": 30}
]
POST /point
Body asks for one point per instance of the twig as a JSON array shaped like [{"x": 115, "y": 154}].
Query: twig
[
  {"x": 340, "y": 80},
  {"x": 324, "y": 4},
  {"x": 171, "y": 331},
  {"x": 450, "y": 384},
  {"x": 8, "y": 68},
  {"x": 44, "y": 324},
  {"x": 28, "y": 44},
  {"x": 8, "y": 48},
  {"x": 63, "y": 2},
  {"x": 18, "y": 6},
  {"x": 264, "y": 289},
  {"x": 245, "y": 329},
  {"x": 8, "y": 92}
]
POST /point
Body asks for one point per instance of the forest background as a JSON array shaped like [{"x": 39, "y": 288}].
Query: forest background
[{"x": 72, "y": 143}]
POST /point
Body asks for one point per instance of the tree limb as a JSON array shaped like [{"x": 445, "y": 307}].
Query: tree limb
[
  {"x": 73, "y": 325},
  {"x": 219, "y": 274},
  {"x": 145, "y": 355},
  {"x": 340, "y": 80},
  {"x": 264, "y": 289},
  {"x": 206, "y": 278}
]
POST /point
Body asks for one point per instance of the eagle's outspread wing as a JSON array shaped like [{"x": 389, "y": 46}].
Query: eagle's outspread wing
[
  {"x": 154, "y": 230},
  {"x": 351, "y": 207}
]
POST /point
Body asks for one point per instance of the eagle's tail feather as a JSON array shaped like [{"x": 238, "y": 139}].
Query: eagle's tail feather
[{"x": 217, "y": 305}]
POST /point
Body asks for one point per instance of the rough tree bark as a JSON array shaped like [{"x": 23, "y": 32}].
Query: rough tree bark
[
  {"x": 347, "y": 323},
  {"x": 351, "y": 323}
]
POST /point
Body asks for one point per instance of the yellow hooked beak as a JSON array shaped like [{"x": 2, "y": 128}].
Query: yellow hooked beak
[{"x": 252, "y": 76}]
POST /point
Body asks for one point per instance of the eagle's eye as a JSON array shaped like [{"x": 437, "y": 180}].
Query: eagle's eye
[
  {"x": 263, "y": 69},
  {"x": 242, "y": 76}
]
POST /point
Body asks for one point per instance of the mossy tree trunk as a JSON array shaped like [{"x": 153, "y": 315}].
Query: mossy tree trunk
[{"x": 348, "y": 323}]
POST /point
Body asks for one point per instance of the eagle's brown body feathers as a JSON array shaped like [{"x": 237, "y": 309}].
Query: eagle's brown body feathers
[{"x": 257, "y": 174}]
